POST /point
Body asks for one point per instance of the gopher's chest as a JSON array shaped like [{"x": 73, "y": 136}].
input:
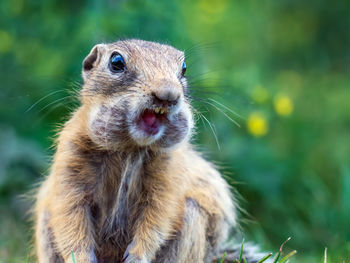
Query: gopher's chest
[
  {"x": 114, "y": 213},
  {"x": 114, "y": 230}
]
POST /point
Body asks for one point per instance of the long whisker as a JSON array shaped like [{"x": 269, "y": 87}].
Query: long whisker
[
  {"x": 200, "y": 47},
  {"x": 212, "y": 126},
  {"x": 204, "y": 77},
  {"x": 199, "y": 114},
  {"x": 225, "y": 114},
  {"x": 38, "y": 101},
  {"x": 201, "y": 92},
  {"x": 213, "y": 130},
  {"x": 47, "y": 113},
  {"x": 220, "y": 110},
  {"x": 58, "y": 100},
  {"x": 227, "y": 108}
]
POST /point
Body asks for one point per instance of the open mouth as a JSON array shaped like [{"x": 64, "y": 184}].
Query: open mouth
[{"x": 151, "y": 120}]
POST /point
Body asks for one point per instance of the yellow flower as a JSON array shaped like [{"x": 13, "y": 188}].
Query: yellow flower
[
  {"x": 257, "y": 124},
  {"x": 6, "y": 42},
  {"x": 283, "y": 105},
  {"x": 260, "y": 94}
]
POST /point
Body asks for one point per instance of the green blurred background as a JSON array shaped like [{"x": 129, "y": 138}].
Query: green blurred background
[{"x": 283, "y": 66}]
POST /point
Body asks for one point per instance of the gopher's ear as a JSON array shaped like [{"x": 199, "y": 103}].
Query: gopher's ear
[{"x": 93, "y": 58}]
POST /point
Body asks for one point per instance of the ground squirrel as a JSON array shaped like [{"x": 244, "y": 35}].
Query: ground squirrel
[{"x": 125, "y": 184}]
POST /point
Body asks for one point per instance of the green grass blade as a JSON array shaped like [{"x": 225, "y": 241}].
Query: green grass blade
[
  {"x": 277, "y": 257},
  {"x": 244, "y": 260},
  {"x": 73, "y": 257},
  {"x": 264, "y": 258},
  {"x": 223, "y": 258},
  {"x": 280, "y": 251},
  {"x": 288, "y": 256},
  {"x": 241, "y": 253}
]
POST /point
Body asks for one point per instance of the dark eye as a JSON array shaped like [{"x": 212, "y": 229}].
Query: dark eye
[
  {"x": 117, "y": 63},
  {"x": 183, "y": 68}
]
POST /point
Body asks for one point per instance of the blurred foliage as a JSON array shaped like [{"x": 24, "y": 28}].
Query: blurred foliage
[{"x": 282, "y": 66}]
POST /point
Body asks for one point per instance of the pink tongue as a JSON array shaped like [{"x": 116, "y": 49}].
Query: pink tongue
[{"x": 149, "y": 118}]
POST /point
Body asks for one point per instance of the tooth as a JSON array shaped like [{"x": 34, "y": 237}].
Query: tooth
[
  {"x": 162, "y": 110},
  {"x": 156, "y": 110}
]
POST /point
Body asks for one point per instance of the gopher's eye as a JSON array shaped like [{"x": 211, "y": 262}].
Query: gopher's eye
[
  {"x": 117, "y": 63},
  {"x": 183, "y": 68}
]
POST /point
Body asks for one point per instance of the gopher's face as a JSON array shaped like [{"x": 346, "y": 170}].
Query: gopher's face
[{"x": 134, "y": 91}]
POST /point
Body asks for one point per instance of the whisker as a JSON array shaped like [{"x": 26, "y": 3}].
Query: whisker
[
  {"x": 213, "y": 105},
  {"x": 225, "y": 114},
  {"x": 204, "y": 81},
  {"x": 227, "y": 108},
  {"x": 58, "y": 100},
  {"x": 199, "y": 75},
  {"x": 46, "y": 113},
  {"x": 212, "y": 126},
  {"x": 198, "y": 113},
  {"x": 202, "y": 92},
  {"x": 205, "y": 125},
  {"x": 200, "y": 47},
  {"x": 217, "y": 108},
  {"x": 213, "y": 130},
  {"x": 38, "y": 101}
]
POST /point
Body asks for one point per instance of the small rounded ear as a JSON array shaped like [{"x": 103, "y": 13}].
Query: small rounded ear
[{"x": 93, "y": 58}]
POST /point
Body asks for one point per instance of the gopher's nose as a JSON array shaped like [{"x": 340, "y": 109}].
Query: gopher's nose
[{"x": 167, "y": 96}]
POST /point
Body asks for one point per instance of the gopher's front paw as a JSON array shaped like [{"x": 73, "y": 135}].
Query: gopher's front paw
[
  {"x": 128, "y": 257},
  {"x": 82, "y": 257}
]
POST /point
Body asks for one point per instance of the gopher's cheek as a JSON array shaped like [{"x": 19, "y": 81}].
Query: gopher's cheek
[{"x": 107, "y": 125}]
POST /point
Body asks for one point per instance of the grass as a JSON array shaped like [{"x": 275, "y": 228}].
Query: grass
[
  {"x": 73, "y": 257},
  {"x": 285, "y": 259},
  {"x": 276, "y": 259}
]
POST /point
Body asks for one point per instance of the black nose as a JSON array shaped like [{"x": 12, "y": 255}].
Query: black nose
[{"x": 166, "y": 96}]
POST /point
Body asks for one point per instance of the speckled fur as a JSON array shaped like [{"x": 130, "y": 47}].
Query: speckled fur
[{"x": 112, "y": 189}]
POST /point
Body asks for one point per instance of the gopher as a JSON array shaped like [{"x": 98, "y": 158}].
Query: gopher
[{"x": 126, "y": 185}]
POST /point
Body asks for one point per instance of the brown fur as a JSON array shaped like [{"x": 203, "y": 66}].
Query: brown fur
[{"x": 112, "y": 190}]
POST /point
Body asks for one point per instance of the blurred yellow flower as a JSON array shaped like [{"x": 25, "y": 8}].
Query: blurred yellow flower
[
  {"x": 260, "y": 94},
  {"x": 6, "y": 42},
  {"x": 257, "y": 124},
  {"x": 283, "y": 105}
]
